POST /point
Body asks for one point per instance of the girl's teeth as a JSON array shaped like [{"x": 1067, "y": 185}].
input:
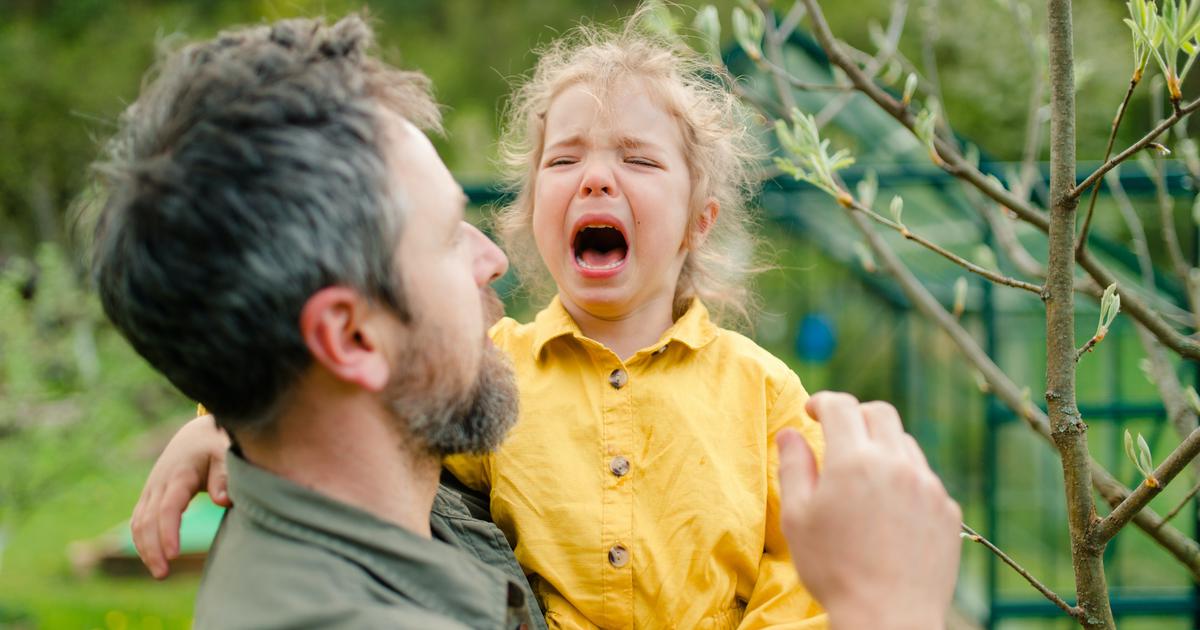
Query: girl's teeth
[{"x": 612, "y": 265}]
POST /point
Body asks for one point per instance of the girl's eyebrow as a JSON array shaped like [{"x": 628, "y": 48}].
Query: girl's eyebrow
[
  {"x": 634, "y": 142},
  {"x": 626, "y": 142},
  {"x": 571, "y": 141}
]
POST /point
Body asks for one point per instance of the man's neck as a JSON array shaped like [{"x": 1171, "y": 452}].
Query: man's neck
[{"x": 352, "y": 455}]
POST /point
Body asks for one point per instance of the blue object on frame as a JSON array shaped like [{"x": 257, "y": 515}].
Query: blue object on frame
[{"x": 816, "y": 338}]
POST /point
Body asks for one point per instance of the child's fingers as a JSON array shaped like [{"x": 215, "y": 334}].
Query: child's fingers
[
  {"x": 176, "y": 497},
  {"x": 218, "y": 481},
  {"x": 145, "y": 536},
  {"x": 797, "y": 472},
  {"x": 841, "y": 420}
]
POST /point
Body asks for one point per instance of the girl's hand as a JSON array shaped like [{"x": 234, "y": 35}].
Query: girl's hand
[{"x": 192, "y": 462}]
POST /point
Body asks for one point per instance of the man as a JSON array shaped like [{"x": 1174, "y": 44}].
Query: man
[{"x": 280, "y": 240}]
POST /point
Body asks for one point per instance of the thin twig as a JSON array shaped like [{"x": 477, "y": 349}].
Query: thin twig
[
  {"x": 769, "y": 109},
  {"x": 974, "y": 536},
  {"x": 774, "y": 54},
  {"x": 805, "y": 85},
  {"x": 1166, "y": 210},
  {"x": 890, "y": 45},
  {"x": 947, "y": 254},
  {"x": 1166, "y": 471},
  {"x": 1112, "y": 137},
  {"x": 1137, "y": 231},
  {"x": 791, "y": 20},
  {"x": 1087, "y": 347},
  {"x": 1183, "y": 503},
  {"x": 1134, "y": 148}
]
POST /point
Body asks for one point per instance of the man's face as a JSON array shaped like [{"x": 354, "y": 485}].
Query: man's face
[{"x": 451, "y": 388}]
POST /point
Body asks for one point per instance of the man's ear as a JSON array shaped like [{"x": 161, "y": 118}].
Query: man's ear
[
  {"x": 335, "y": 326},
  {"x": 705, "y": 222}
]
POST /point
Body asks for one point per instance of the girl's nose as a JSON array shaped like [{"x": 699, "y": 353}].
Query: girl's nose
[{"x": 598, "y": 181}]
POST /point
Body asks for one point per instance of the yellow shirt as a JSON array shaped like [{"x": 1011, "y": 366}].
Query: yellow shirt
[{"x": 644, "y": 493}]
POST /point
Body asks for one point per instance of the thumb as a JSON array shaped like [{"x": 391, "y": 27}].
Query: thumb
[{"x": 797, "y": 469}]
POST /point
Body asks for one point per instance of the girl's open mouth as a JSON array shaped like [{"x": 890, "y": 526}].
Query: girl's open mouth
[{"x": 600, "y": 249}]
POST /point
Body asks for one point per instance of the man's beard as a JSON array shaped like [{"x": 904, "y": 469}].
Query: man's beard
[{"x": 443, "y": 415}]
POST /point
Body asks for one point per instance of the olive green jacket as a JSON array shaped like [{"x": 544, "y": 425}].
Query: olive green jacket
[{"x": 288, "y": 557}]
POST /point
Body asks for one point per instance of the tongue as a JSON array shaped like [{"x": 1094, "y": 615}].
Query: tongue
[{"x": 597, "y": 258}]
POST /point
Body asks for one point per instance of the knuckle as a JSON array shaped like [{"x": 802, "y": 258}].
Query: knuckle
[
  {"x": 843, "y": 399},
  {"x": 880, "y": 408}
]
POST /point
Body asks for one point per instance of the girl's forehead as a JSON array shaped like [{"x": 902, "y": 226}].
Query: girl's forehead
[{"x": 628, "y": 109}]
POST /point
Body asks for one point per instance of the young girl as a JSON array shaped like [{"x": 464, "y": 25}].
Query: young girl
[{"x": 639, "y": 488}]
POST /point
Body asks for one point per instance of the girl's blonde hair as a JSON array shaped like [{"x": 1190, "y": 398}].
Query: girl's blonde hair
[{"x": 718, "y": 143}]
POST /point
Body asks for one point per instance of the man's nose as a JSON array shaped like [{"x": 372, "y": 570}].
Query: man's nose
[
  {"x": 490, "y": 262},
  {"x": 598, "y": 180}
]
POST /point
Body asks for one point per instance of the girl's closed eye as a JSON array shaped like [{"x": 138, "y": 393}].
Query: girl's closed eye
[
  {"x": 641, "y": 161},
  {"x": 560, "y": 161}
]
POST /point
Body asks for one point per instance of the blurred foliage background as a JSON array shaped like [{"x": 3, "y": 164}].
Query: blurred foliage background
[{"x": 81, "y": 417}]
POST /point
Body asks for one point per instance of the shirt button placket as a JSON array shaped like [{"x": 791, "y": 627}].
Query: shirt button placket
[{"x": 617, "y": 528}]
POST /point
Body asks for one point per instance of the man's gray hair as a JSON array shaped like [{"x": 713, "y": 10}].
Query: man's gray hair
[{"x": 248, "y": 176}]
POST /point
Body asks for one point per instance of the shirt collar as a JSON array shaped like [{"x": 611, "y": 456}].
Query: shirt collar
[
  {"x": 694, "y": 329},
  {"x": 432, "y": 573}
]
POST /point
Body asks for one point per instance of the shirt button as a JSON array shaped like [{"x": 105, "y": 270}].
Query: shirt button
[
  {"x": 618, "y": 378},
  {"x": 618, "y": 555},
  {"x": 619, "y": 466}
]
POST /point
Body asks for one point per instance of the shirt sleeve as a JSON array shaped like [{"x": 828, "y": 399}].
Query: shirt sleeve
[
  {"x": 778, "y": 599},
  {"x": 475, "y": 471}
]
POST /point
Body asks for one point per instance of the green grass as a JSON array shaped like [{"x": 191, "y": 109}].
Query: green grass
[{"x": 39, "y": 590}]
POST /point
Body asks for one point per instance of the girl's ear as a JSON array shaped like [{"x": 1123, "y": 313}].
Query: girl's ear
[{"x": 704, "y": 222}]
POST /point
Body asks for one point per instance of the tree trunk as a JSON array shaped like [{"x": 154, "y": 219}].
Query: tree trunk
[{"x": 1067, "y": 427}]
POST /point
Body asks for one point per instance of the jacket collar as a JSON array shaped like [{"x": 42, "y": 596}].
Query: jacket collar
[{"x": 432, "y": 573}]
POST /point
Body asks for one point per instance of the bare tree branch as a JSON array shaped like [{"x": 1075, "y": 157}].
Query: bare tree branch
[
  {"x": 1112, "y": 137},
  {"x": 1073, "y": 611},
  {"x": 996, "y": 277},
  {"x": 875, "y": 64},
  {"x": 792, "y": 20},
  {"x": 1135, "y": 147},
  {"x": 1187, "y": 498},
  {"x": 956, "y": 165},
  {"x": 1180, "y": 546},
  {"x": 1145, "y": 492}
]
